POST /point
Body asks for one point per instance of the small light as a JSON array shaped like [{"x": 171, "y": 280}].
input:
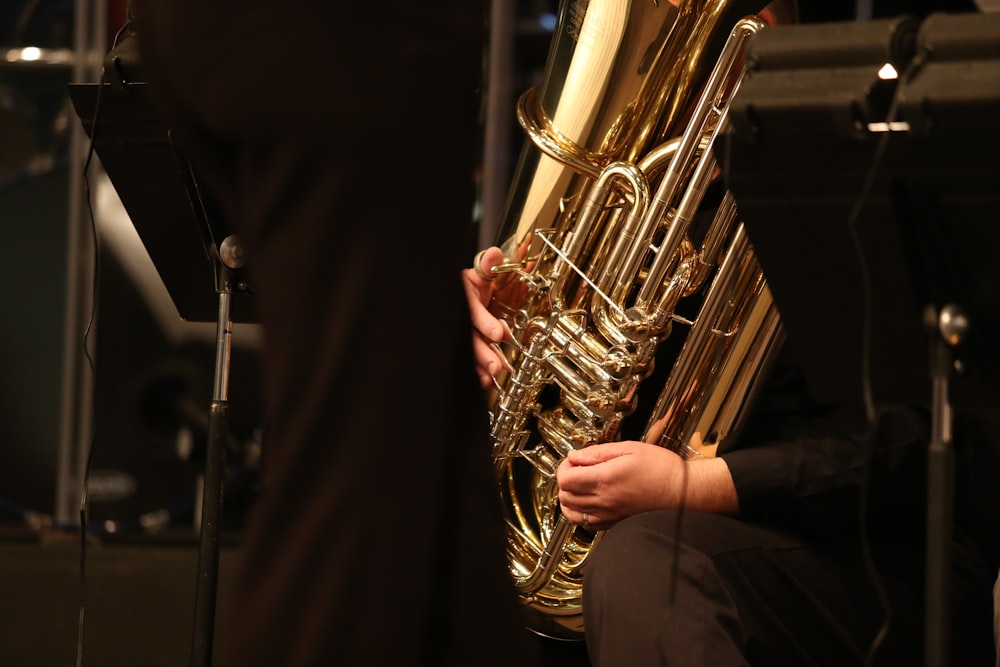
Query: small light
[
  {"x": 547, "y": 21},
  {"x": 895, "y": 126},
  {"x": 31, "y": 53},
  {"x": 888, "y": 72}
]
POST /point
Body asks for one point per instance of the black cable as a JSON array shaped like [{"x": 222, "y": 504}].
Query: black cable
[
  {"x": 95, "y": 296},
  {"x": 92, "y": 367},
  {"x": 93, "y": 372},
  {"x": 866, "y": 336},
  {"x": 678, "y": 526}
]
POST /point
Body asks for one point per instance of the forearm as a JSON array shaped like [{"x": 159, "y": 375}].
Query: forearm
[
  {"x": 815, "y": 479},
  {"x": 709, "y": 486}
]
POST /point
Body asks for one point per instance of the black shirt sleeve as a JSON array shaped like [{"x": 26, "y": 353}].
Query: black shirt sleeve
[{"x": 813, "y": 465}]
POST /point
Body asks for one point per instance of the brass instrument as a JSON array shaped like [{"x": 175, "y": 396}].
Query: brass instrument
[{"x": 598, "y": 257}]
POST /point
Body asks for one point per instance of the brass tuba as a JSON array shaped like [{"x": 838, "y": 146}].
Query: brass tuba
[{"x": 600, "y": 262}]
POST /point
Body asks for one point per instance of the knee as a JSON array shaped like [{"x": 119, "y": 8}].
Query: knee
[
  {"x": 631, "y": 539},
  {"x": 651, "y": 591},
  {"x": 626, "y": 557},
  {"x": 650, "y": 554}
]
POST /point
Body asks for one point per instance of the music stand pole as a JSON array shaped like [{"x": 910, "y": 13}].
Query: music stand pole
[
  {"x": 230, "y": 258},
  {"x": 947, "y": 329}
]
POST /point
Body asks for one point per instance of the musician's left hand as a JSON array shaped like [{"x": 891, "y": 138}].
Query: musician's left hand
[{"x": 488, "y": 329}]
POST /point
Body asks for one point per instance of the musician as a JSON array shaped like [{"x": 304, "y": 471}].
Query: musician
[
  {"x": 753, "y": 554},
  {"x": 328, "y": 132}
]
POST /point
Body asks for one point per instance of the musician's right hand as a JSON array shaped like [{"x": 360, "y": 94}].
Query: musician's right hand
[{"x": 603, "y": 483}]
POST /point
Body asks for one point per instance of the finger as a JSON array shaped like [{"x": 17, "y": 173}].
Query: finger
[
  {"x": 487, "y": 324},
  {"x": 577, "y": 485},
  {"x": 587, "y": 520},
  {"x": 598, "y": 523},
  {"x": 489, "y": 359},
  {"x": 478, "y": 297},
  {"x": 574, "y": 516},
  {"x": 477, "y": 290},
  {"x": 573, "y": 500},
  {"x": 486, "y": 262},
  {"x": 597, "y": 453}
]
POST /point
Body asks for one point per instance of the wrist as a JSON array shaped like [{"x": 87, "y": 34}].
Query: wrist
[{"x": 710, "y": 486}]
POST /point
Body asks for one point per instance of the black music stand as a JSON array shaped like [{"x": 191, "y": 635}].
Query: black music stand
[
  {"x": 871, "y": 231},
  {"x": 200, "y": 262}
]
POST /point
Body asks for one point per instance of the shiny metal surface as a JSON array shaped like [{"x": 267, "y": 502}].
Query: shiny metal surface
[{"x": 598, "y": 256}]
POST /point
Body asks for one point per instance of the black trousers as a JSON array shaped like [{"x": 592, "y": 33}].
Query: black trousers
[
  {"x": 715, "y": 590},
  {"x": 340, "y": 140}
]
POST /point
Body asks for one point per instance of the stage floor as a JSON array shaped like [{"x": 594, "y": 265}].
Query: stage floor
[{"x": 139, "y": 605}]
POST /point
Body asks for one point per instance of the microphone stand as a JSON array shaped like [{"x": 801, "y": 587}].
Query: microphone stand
[
  {"x": 158, "y": 188},
  {"x": 228, "y": 262},
  {"x": 948, "y": 329},
  {"x": 229, "y": 259}
]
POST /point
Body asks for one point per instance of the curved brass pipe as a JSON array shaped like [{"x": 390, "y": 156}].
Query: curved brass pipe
[{"x": 598, "y": 256}]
